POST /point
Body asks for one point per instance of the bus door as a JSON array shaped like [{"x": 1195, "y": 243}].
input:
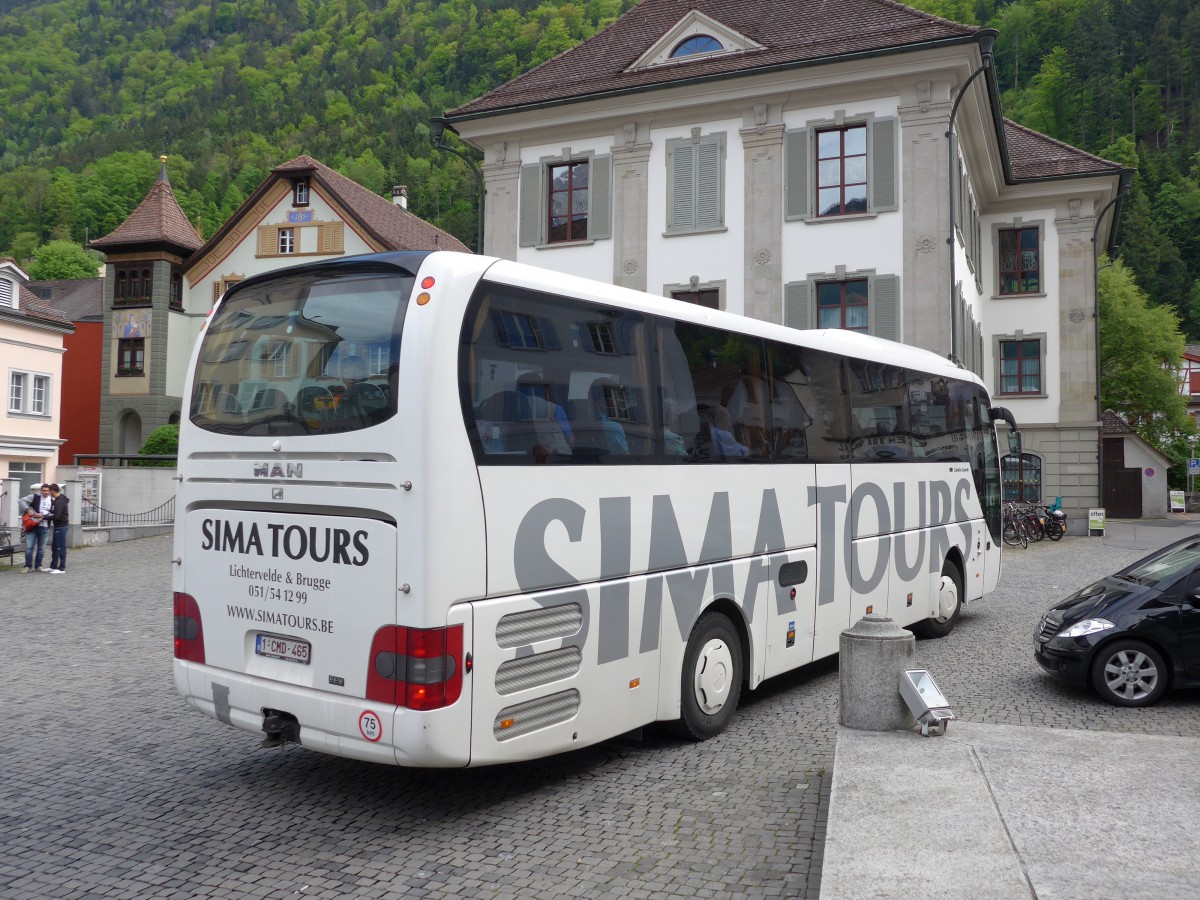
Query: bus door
[{"x": 833, "y": 487}]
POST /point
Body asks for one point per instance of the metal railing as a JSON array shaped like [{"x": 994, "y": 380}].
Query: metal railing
[
  {"x": 121, "y": 459},
  {"x": 93, "y": 516}
]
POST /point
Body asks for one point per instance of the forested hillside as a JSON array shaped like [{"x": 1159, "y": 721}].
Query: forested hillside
[{"x": 94, "y": 90}]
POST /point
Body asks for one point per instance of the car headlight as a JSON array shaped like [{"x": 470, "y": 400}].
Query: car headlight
[{"x": 1086, "y": 627}]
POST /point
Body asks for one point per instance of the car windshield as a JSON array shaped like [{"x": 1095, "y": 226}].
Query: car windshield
[
  {"x": 309, "y": 353},
  {"x": 1165, "y": 567}
]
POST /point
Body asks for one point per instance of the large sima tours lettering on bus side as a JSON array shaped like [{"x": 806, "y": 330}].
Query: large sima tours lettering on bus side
[{"x": 686, "y": 576}]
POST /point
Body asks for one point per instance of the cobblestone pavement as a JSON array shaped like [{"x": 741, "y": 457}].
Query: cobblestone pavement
[{"x": 111, "y": 787}]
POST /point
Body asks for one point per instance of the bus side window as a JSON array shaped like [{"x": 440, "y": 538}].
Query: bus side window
[
  {"x": 880, "y": 405},
  {"x": 721, "y": 374},
  {"x": 809, "y": 412}
]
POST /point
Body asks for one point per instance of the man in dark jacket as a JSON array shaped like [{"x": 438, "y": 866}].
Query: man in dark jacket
[{"x": 60, "y": 521}]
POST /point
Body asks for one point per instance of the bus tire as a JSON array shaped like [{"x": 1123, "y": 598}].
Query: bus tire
[
  {"x": 942, "y": 624},
  {"x": 711, "y": 681}
]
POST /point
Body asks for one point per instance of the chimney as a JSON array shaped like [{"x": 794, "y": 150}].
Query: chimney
[{"x": 400, "y": 195}]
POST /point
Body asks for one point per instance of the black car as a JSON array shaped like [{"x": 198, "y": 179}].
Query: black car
[{"x": 1133, "y": 634}]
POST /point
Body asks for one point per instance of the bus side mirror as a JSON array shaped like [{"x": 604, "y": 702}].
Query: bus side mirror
[{"x": 1014, "y": 442}]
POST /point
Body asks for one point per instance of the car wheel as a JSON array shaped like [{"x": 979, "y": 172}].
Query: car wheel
[
  {"x": 1129, "y": 673},
  {"x": 949, "y": 605},
  {"x": 711, "y": 680}
]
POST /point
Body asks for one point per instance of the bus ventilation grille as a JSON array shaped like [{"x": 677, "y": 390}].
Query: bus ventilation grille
[
  {"x": 519, "y": 629},
  {"x": 537, "y": 670},
  {"x": 541, "y": 713}
]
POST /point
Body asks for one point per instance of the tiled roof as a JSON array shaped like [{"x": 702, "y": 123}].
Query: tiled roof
[
  {"x": 76, "y": 298},
  {"x": 790, "y": 33},
  {"x": 157, "y": 220},
  {"x": 1032, "y": 156},
  {"x": 1111, "y": 423},
  {"x": 30, "y": 307},
  {"x": 395, "y": 227}
]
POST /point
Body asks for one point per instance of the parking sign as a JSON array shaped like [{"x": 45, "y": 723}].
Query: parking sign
[{"x": 1194, "y": 466}]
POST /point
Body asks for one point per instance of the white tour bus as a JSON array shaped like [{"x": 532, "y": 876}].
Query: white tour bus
[{"x": 439, "y": 509}]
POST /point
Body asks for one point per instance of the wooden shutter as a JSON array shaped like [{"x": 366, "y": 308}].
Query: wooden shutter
[
  {"x": 797, "y": 176},
  {"x": 884, "y": 311},
  {"x": 331, "y": 237},
  {"x": 600, "y": 198},
  {"x": 532, "y": 211},
  {"x": 268, "y": 241},
  {"x": 709, "y": 164},
  {"x": 884, "y": 181},
  {"x": 682, "y": 171},
  {"x": 216, "y": 286},
  {"x": 797, "y": 304}
]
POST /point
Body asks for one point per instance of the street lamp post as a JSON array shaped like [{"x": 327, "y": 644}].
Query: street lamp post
[
  {"x": 440, "y": 126},
  {"x": 987, "y": 39}
]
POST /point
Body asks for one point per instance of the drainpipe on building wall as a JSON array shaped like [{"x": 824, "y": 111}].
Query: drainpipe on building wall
[
  {"x": 1122, "y": 190},
  {"x": 987, "y": 40}
]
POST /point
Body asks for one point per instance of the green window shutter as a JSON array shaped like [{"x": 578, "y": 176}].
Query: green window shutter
[
  {"x": 885, "y": 307},
  {"x": 709, "y": 165},
  {"x": 797, "y": 304},
  {"x": 532, "y": 213},
  {"x": 797, "y": 176},
  {"x": 682, "y": 169},
  {"x": 600, "y": 197},
  {"x": 884, "y": 180}
]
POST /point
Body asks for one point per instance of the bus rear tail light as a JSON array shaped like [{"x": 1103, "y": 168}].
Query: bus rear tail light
[
  {"x": 417, "y": 668},
  {"x": 189, "y": 632}
]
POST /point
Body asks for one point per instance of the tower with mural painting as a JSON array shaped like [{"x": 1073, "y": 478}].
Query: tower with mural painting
[{"x": 143, "y": 287}]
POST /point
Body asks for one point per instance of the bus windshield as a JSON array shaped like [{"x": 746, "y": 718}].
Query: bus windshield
[{"x": 316, "y": 353}]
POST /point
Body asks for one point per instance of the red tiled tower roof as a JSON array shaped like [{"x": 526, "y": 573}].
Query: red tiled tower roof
[{"x": 158, "y": 219}]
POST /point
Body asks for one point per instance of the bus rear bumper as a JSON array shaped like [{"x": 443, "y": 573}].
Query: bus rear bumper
[{"x": 328, "y": 723}]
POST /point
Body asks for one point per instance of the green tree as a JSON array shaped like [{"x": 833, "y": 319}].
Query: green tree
[
  {"x": 161, "y": 441},
  {"x": 63, "y": 259},
  {"x": 1140, "y": 348}
]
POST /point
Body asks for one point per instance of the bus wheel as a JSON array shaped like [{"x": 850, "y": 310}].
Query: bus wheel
[
  {"x": 949, "y": 605},
  {"x": 711, "y": 679}
]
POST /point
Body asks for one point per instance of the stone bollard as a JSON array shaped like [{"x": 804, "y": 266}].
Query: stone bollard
[{"x": 873, "y": 654}]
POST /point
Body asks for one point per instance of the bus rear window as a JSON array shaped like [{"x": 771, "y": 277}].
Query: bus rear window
[{"x": 312, "y": 353}]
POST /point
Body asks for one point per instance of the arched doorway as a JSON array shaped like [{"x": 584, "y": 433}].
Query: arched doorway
[{"x": 129, "y": 436}]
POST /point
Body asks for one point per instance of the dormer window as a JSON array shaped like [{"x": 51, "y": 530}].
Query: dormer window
[
  {"x": 697, "y": 43},
  {"x": 300, "y": 192},
  {"x": 694, "y": 36},
  {"x": 7, "y": 294}
]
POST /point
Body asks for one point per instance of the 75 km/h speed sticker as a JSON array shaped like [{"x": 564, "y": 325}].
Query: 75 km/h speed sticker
[{"x": 370, "y": 726}]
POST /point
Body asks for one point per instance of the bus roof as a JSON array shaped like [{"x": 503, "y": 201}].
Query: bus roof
[{"x": 845, "y": 343}]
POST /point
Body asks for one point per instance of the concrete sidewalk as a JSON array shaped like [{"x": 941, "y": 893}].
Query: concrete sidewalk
[
  {"x": 1001, "y": 811},
  {"x": 1019, "y": 811}
]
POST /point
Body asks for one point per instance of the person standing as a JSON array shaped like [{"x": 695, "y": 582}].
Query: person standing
[
  {"x": 60, "y": 520},
  {"x": 38, "y": 503}
]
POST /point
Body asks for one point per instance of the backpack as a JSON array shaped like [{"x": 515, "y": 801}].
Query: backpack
[{"x": 28, "y": 521}]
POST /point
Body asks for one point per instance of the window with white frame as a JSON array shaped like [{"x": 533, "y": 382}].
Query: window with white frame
[
  {"x": 287, "y": 240},
  {"x": 28, "y": 393}
]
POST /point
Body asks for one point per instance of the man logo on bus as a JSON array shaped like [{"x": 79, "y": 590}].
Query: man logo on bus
[{"x": 276, "y": 470}]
